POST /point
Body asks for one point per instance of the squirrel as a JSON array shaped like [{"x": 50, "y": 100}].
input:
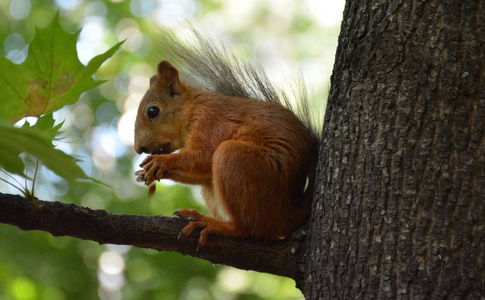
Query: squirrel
[{"x": 236, "y": 137}]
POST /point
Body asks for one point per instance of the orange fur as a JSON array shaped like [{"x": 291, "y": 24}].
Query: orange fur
[{"x": 251, "y": 157}]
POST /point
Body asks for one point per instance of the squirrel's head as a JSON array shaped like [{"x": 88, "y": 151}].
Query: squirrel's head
[{"x": 159, "y": 122}]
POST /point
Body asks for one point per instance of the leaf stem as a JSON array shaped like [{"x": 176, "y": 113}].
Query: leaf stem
[
  {"x": 10, "y": 175},
  {"x": 13, "y": 185}
]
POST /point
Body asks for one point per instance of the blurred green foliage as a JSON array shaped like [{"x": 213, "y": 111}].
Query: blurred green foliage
[
  {"x": 50, "y": 77},
  {"x": 286, "y": 36}
]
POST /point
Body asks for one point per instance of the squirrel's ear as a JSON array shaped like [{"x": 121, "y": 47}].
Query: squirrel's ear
[{"x": 168, "y": 78}]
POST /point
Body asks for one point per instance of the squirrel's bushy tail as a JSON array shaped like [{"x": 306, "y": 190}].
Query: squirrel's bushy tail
[{"x": 207, "y": 63}]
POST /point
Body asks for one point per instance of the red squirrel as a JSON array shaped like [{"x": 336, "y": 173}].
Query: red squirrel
[{"x": 252, "y": 158}]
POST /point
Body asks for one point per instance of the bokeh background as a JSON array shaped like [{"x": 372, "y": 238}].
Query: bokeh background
[{"x": 289, "y": 38}]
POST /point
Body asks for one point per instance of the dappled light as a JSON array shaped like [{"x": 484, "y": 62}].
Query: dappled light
[
  {"x": 289, "y": 38},
  {"x": 15, "y": 48}
]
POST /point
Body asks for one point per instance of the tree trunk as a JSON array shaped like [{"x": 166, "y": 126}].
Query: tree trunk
[{"x": 400, "y": 206}]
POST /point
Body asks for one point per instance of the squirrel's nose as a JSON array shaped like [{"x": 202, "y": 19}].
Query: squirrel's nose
[{"x": 141, "y": 150}]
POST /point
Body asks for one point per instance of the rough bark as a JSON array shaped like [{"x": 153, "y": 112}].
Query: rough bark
[
  {"x": 400, "y": 208},
  {"x": 159, "y": 233}
]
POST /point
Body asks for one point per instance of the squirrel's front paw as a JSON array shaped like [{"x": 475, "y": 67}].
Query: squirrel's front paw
[
  {"x": 153, "y": 168},
  {"x": 140, "y": 175}
]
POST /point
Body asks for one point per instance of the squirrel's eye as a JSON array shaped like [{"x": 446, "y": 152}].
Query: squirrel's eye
[{"x": 153, "y": 112}]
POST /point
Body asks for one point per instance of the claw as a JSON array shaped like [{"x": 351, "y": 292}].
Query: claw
[
  {"x": 146, "y": 160},
  {"x": 181, "y": 235},
  {"x": 201, "y": 241}
]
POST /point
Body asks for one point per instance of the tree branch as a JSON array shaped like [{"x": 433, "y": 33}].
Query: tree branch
[{"x": 159, "y": 233}]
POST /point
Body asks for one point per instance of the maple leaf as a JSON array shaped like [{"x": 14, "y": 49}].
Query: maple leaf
[
  {"x": 52, "y": 75},
  {"x": 35, "y": 142}
]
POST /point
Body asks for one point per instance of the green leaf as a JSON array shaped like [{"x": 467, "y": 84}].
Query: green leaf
[
  {"x": 10, "y": 161},
  {"x": 31, "y": 140},
  {"x": 46, "y": 124},
  {"x": 52, "y": 75}
]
